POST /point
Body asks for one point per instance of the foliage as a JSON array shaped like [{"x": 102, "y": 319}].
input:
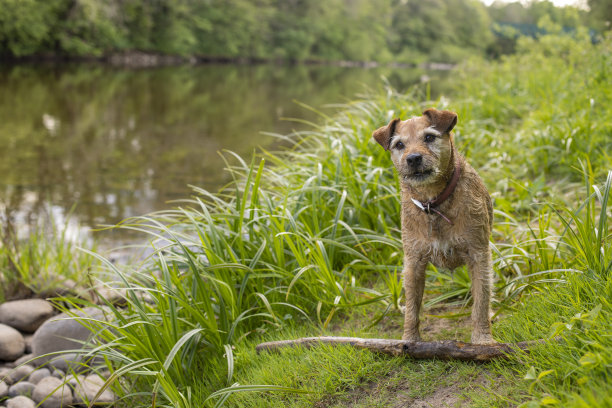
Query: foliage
[
  {"x": 316, "y": 235},
  {"x": 46, "y": 264},
  {"x": 380, "y": 30}
]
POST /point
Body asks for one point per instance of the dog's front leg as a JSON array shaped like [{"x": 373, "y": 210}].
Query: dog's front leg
[
  {"x": 481, "y": 268},
  {"x": 414, "y": 284}
]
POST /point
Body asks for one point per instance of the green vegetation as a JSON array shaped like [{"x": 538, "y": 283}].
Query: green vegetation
[
  {"x": 45, "y": 264},
  {"x": 410, "y": 31},
  {"x": 307, "y": 241}
]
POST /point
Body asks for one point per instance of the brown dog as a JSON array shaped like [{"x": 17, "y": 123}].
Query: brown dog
[{"x": 446, "y": 213}]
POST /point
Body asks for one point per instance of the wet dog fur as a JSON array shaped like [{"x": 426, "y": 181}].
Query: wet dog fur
[{"x": 424, "y": 154}]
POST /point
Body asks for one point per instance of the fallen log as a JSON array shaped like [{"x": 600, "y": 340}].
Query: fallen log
[{"x": 443, "y": 350}]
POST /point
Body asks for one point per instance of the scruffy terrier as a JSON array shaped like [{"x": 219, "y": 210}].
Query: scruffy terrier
[{"x": 446, "y": 213}]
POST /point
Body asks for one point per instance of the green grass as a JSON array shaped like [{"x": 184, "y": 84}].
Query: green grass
[
  {"x": 46, "y": 264},
  {"x": 304, "y": 239}
]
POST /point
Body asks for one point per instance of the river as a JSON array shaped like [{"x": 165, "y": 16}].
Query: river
[{"x": 104, "y": 143}]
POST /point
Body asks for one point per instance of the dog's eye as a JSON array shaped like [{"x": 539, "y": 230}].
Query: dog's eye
[
  {"x": 399, "y": 146},
  {"x": 430, "y": 137}
]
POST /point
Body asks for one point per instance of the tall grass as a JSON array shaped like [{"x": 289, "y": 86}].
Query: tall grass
[
  {"x": 46, "y": 263},
  {"x": 302, "y": 235}
]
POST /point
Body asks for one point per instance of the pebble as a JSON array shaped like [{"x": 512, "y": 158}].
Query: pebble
[
  {"x": 57, "y": 373},
  {"x": 20, "y": 402},
  {"x": 38, "y": 375},
  {"x": 25, "y": 315},
  {"x": 23, "y": 359},
  {"x": 86, "y": 390},
  {"x": 61, "y": 333},
  {"x": 22, "y": 388},
  {"x": 73, "y": 380},
  {"x": 28, "y": 342},
  {"x": 53, "y": 392},
  {"x": 19, "y": 373},
  {"x": 3, "y": 389},
  {"x": 12, "y": 344},
  {"x": 67, "y": 363},
  {"x": 5, "y": 375}
]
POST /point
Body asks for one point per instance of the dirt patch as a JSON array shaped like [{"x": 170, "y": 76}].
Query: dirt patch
[{"x": 449, "y": 396}]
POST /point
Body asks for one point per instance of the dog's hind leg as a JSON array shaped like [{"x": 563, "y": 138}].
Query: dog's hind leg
[{"x": 414, "y": 284}]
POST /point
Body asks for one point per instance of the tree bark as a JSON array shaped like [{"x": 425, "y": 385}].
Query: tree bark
[{"x": 443, "y": 350}]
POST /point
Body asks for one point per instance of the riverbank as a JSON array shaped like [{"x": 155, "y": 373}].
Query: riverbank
[
  {"x": 136, "y": 59},
  {"x": 306, "y": 241}
]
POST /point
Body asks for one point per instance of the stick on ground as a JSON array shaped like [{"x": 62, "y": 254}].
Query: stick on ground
[{"x": 443, "y": 350}]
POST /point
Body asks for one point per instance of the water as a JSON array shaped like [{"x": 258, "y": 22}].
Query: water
[{"x": 104, "y": 144}]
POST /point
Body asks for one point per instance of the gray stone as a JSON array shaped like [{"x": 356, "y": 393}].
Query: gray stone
[
  {"x": 38, "y": 375},
  {"x": 19, "y": 373},
  {"x": 22, "y": 388},
  {"x": 23, "y": 359},
  {"x": 53, "y": 392},
  {"x": 5, "y": 375},
  {"x": 86, "y": 390},
  {"x": 72, "y": 380},
  {"x": 3, "y": 389},
  {"x": 62, "y": 333},
  {"x": 25, "y": 315},
  {"x": 57, "y": 373},
  {"x": 20, "y": 402},
  {"x": 114, "y": 296},
  {"x": 12, "y": 344},
  {"x": 28, "y": 343},
  {"x": 69, "y": 362}
]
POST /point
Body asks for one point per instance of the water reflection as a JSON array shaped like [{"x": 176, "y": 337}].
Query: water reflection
[{"x": 119, "y": 142}]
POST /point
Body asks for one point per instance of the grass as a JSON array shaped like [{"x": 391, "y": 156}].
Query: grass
[
  {"x": 304, "y": 240},
  {"x": 46, "y": 264}
]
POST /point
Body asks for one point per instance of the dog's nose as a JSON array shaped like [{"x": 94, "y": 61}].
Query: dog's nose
[{"x": 414, "y": 159}]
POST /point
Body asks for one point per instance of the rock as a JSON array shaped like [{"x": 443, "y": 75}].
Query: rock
[
  {"x": 72, "y": 380},
  {"x": 22, "y": 388},
  {"x": 12, "y": 344},
  {"x": 114, "y": 296},
  {"x": 20, "y": 402},
  {"x": 62, "y": 332},
  {"x": 28, "y": 343},
  {"x": 53, "y": 392},
  {"x": 3, "y": 389},
  {"x": 5, "y": 375},
  {"x": 23, "y": 359},
  {"x": 19, "y": 373},
  {"x": 68, "y": 362},
  {"x": 38, "y": 375},
  {"x": 25, "y": 315},
  {"x": 58, "y": 373},
  {"x": 85, "y": 391}
]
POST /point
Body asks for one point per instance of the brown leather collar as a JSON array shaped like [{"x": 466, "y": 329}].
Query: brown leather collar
[{"x": 430, "y": 206}]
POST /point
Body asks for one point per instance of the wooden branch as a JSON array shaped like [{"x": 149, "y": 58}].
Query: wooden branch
[{"x": 443, "y": 350}]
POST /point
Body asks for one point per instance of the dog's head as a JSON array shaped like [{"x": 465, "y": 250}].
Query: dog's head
[{"x": 421, "y": 148}]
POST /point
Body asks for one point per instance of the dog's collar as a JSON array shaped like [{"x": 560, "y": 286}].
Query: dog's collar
[{"x": 430, "y": 206}]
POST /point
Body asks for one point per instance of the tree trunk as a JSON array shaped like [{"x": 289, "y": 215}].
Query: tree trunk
[{"x": 443, "y": 350}]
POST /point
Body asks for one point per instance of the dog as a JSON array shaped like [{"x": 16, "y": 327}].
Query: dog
[{"x": 446, "y": 213}]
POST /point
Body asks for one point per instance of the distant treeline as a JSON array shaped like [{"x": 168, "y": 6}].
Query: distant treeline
[{"x": 356, "y": 30}]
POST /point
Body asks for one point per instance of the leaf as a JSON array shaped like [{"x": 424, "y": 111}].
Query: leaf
[
  {"x": 590, "y": 359},
  {"x": 544, "y": 374},
  {"x": 548, "y": 400},
  {"x": 531, "y": 374}
]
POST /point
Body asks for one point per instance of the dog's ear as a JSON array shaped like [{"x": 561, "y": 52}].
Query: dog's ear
[
  {"x": 444, "y": 121},
  {"x": 383, "y": 135}
]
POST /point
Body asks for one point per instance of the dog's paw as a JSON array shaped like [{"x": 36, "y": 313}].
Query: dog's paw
[{"x": 411, "y": 337}]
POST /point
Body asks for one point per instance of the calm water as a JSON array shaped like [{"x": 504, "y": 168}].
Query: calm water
[{"x": 109, "y": 143}]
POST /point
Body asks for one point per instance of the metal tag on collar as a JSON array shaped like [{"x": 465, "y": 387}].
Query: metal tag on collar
[{"x": 418, "y": 204}]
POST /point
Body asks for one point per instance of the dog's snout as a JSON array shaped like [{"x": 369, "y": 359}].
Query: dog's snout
[{"x": 414, "y": 159}]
